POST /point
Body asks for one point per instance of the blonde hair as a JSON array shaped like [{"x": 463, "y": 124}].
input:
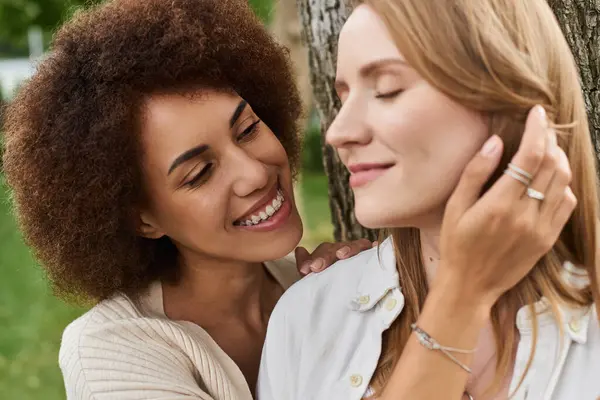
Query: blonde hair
[{"x": 501, "y": 58}]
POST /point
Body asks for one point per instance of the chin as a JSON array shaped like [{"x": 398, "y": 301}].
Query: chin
[
  {"x": 380, "y": 215},
  {"x": 284, "y": 241},
  {"x": 372, "y": 217}
]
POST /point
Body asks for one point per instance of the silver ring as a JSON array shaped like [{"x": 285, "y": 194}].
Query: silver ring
[
  {"x": 534, "y": 194},
  {"x": 518, "y": 177},
  {"x": 520, "y": 171}
]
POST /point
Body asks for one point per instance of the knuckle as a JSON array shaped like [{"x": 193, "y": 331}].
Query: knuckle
[
  {"x": 570, "y": 197},
  {"x": 523, "y": 226},
  {"x": 551, "y": 161},
  {"x": 565, "y": 174},
  {"x": 363, "y": 242},
  {"x": 499, "y": 212},
  {"x": 533, "y": 157}
]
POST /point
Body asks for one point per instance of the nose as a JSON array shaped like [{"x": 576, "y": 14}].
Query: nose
[
  {"x": 349, "y": 127},
  {"x": 250, "y": 173}
]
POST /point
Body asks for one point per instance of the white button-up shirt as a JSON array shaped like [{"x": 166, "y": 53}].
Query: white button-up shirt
[{"x": 324, "y": 338}]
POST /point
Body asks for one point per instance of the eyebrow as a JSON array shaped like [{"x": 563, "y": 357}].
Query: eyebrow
[
  {"x": 188, "y": 155},
  {"x": 372, "y": 68},
  {"x": 238, "y": 111},
  {"x": 196, "y": 151}
]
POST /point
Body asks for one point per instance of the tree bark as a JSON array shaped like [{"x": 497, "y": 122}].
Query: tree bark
[
  {"x": 322, "y": 21},
  {"x": 580, "y": 23}
]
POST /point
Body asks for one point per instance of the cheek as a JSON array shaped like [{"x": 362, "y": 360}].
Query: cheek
[
  {"x": 189, "y": 214},
  {"x": 269, "y": 150}
]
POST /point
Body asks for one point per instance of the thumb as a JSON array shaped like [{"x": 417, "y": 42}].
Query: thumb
[{"x": 474, "y": 176}]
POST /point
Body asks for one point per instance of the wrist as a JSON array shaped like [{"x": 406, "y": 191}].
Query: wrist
[
  {"x": 461, "y": 291},
  {"x": 453, "y": 297}
]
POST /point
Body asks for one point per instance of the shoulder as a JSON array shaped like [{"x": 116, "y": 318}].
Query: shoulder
[
  {"x": 320, "y": 318},
  {"x": 325, "y": 294},
  {"x": 111, "y": 328},
  {"x": 115, "y": 348}
]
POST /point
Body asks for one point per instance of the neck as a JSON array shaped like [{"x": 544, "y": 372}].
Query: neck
[
  {"x": 430, "y": 248},
  {"x": 213, "y": 291}
]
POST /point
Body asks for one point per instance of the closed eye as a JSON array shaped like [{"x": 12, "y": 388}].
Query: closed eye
[
  {"x": 200, "y": 177},
  {"x": 249, "y": 132},
  {"x": 389, "y": 95}
]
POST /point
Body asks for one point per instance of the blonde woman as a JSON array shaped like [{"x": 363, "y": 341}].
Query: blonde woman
[{"x": 486, "y": 288}]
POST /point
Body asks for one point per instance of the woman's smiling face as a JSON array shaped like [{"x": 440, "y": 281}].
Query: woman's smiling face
[
  {"x": 404, "y": 142},
  {"x": 217, "y": 178}
]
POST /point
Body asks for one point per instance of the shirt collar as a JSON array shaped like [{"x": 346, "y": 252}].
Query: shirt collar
[
  {"x": 379, "y": 276},
  {"x": 574, "y": 320}
]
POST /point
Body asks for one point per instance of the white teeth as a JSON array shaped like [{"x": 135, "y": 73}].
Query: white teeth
[{"x": 269, "y": 211}]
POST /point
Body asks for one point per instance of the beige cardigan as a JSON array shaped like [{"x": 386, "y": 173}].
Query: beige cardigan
[{"x": 125, "y": 349}]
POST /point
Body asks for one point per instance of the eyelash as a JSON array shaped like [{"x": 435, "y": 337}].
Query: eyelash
[
  {"x": 389, "y": 95},
  {"x": 249, "y": 131},
  {"x": 202, "y": 175}
]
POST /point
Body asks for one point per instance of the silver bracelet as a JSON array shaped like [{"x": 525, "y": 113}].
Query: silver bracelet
[{"x": 430, "y": 343}]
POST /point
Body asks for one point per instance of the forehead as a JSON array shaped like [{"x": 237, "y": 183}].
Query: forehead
[
  {"x": 174, "y": 123},
  {"x": 202, "y": 108},
  {"x": 364, "y": 39}
]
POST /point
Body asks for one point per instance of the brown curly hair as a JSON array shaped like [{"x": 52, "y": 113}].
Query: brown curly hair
[{"x": 72, "y": 155}]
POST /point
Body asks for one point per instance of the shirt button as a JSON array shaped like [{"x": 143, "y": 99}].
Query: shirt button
[
  {"x": 364, "y": 299},
  {"x": 390, "y": 304},
  {"x": 356, "y": 380},
  {"x": 575, "y": 325}
]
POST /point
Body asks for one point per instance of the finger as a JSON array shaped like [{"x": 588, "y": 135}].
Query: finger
[
  {"x": 474, "y": 176},
  {"x": 564, "y": 212},
  {"x": 323, "y": 256},
  {"x": 543, "y": 178},
  {"x": 529, "y": 157},
  {"x": 555, "y": 194},
  {"x": 302, "y": 260},
  {"x": 353, "y": 248}
]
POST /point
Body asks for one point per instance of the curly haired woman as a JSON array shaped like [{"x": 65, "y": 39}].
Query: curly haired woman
[{"x": 150, "y": 162}]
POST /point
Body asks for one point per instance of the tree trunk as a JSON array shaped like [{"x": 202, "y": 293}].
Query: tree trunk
[
  {"x": 322, "y": 21},
  {"x": 580, "y": 23}
]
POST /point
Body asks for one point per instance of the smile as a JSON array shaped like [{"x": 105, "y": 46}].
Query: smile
[
  {"x": 362, "y": 174},
  {"x": 265, "y": 213}
]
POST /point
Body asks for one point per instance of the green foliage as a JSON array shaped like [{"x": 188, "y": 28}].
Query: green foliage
[
  {"x": 312, "y": 152},
  {"x": 262, "y": 8},
  {"x": 16, "y": 16}
]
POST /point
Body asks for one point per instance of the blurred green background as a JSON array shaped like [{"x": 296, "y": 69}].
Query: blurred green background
[{"x": 31, "y": 319}]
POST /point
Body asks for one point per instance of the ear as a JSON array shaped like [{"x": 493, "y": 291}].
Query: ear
[{"x": 148, "y": 227}]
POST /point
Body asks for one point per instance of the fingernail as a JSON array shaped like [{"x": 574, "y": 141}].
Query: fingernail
[
  {"x": 343, "y": 252},
  {"x": 491, "y": 146},
  {"x": 542, "y": 115},
  {"x": 317, "y": 265},
  {"x": 305, "y": 268}
]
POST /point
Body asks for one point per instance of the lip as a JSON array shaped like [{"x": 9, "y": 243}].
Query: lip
[
  {"x": 361, "y": 174},
  {"x": 277, "y": 220},
  {"x": 267, "y": 198}
]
